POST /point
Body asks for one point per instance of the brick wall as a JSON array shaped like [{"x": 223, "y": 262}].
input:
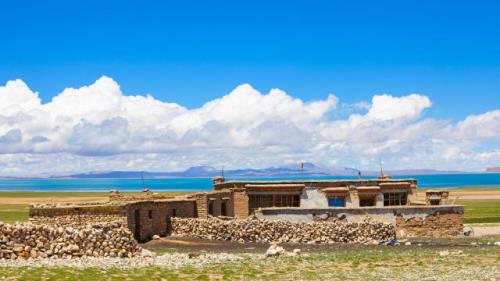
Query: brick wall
[
  {"x": 201, "y": 205},
  {"x": 215, "y": 199},
  {"x": 437, "y": 225},
  {"x": 149, "y": 218},
  {"x": 139, "y": 220},
  {"x": 240, "y": 203}
]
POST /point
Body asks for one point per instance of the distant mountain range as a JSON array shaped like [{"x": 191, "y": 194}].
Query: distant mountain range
[
  {"x": 492, "y": 170},
  {"x": 310, "y": 169}
]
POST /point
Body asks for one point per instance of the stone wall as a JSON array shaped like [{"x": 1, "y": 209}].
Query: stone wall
[
  {"x": 430, "y": 221},
  {"x": 255, "y": 230},
  {"x": 35, "y": 240}
]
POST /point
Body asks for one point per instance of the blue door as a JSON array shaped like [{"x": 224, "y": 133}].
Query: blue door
[{"x": 336, "y": 202}]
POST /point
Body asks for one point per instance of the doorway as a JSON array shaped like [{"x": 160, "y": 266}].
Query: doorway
[
  {"x": 169, "y": 225},
  {"x": 137, "y": 223}
]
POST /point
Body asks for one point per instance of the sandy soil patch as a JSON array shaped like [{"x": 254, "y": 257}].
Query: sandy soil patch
[
  {"x": 32, "y": 200},
  {"x": 484, "y": 230}
]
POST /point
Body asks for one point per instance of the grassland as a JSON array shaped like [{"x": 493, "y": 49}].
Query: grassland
[
  {"x": 481, "y": 211},
  {"x": 368, "y": 263},
  {"x": 14, "y": 206}
]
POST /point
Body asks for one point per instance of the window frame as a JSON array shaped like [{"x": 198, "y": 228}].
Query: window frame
[
  {"x": 335, "y": 197},
  {"x": 399, "y": 198}
]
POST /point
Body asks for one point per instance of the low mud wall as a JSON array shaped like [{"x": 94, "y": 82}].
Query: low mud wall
[
  {"x": 256, "y": 230},
  {"x": 51, "y": 211},
  {"x": 29, "y": 240},
  {"x": 409, "y": 221}
]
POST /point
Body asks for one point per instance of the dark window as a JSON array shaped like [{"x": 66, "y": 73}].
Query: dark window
[
  {"x": 395, "y": 198},
  {"x": 137, "y": 230},
  {"x": 367, "y": 200},
  {"x": 150, "y": 214},
  {"x": 174, "y": 212},
  {"x": 336, "y": 201},
  {"x": 272, "y": 200},
  {"x": 223, "y": 209},
  {"x": 434, "y": 202}
]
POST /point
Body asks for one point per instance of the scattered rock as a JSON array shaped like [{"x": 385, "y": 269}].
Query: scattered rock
[
  {"x": 156, "y": 237},
  {"x": 444, "y": 253},
  {"x": 468, "y": 231},
  {"x": 294, "y": 253},
  {"x": 275, "y": 250},
  {"x": 147, "y": 253}
]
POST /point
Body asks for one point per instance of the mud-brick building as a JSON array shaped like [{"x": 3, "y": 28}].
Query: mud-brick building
[
  {"x": 148, "y": 213},
  {"x": 388, "y": 200},
  {"x": 325, "y": 193}
]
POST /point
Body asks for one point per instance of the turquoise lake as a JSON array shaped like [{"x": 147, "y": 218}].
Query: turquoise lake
[{"x": 203, "y": 184}]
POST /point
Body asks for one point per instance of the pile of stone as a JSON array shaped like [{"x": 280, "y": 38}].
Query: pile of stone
[
  {"x": 255, "y": 230},
  {"x": 77, "y": 220},
  {"x": 29, "y": 240}
]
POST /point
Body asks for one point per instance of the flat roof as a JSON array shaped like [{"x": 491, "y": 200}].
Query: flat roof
[
  {"x": 335, "y": 189},
  {"x": 373, "y": 187},
  {"x": 321, "y": 181},
  {"x": 275, "y": 185}
]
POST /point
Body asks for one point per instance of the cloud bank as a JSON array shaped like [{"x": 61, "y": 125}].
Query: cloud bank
[{"x": 97, "y": 127}]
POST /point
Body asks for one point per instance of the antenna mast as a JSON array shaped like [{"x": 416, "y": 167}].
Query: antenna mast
[
  {"x": 142, "y": 179},
  {"x": 381, "y": 170}
]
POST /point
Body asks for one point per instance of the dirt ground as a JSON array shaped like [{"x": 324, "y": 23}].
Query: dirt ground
[{"x": 196, "y": 245}]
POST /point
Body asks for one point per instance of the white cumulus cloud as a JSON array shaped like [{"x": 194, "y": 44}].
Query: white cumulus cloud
[{"x": 98, "y": 127}]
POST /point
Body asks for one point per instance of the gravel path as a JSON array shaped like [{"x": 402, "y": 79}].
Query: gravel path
[{"x": 173, "y": 260}]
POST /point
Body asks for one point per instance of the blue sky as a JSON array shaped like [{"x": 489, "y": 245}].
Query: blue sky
[
  {"x": 193, "y": 51},
  {"x": 415, "y": 83}
]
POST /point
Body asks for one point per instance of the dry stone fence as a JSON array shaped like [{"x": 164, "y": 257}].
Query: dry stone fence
[
  {"x": 255, "y": 230},
  {"x": 28, "y": 240}
]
